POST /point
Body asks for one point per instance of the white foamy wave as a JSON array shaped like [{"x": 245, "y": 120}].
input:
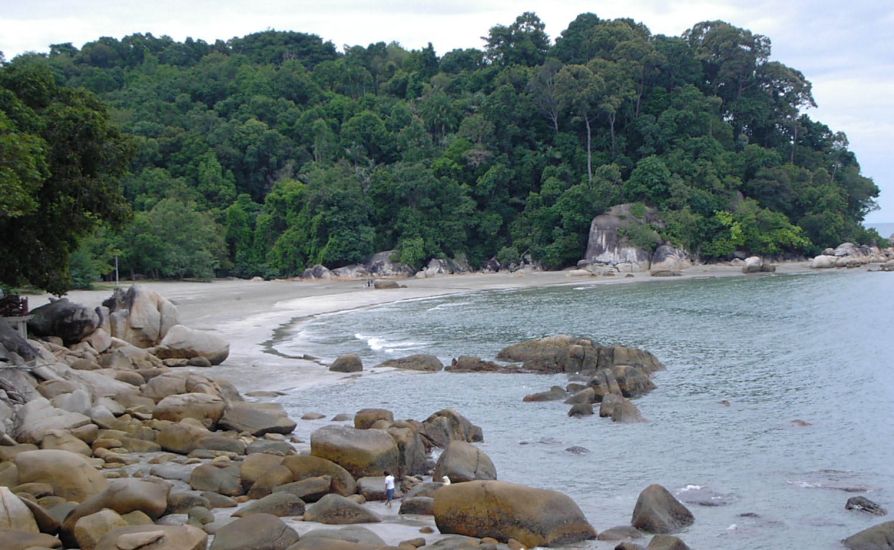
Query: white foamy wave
[
  {"x": 448, "y": 305},
  {"x": 805, "y": 484},
  {"x": 691, "y": 488},
  {"x": 376, "y": 343}
]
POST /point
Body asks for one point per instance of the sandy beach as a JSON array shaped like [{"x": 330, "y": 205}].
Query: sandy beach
[{"x": 248, "y": 313}]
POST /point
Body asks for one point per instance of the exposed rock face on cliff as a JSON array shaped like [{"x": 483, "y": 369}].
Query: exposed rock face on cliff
[{"x": 623, "y": 238}]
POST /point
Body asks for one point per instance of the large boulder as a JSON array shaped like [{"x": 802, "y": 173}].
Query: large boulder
[
  {"x": 183, "y": 437},
  {"x": 257, "y": 418},
  {"x": 756, "y": 264},
  {"x": 381, "y": 265},
  {"x": 411, "y": 450},
  {"x": 347, "y": 363},
  {"x": 255, "y": 531},
  {"x": 668, "y": 260},
  {"x": 823, "y": 262},
  {"x": 182, "y": 342},
  {"x": 608, "y": 242},
  {"x": 365, "y": 418},
  {"x": 206, "y": 408},
  {"x": 214, "y": 478},
  {"x": 877, "y": 537},
  {"x": 421, "y": 362},
  {"x": 62, "y": 318},
  {"x": 534, "y": 517},
  {"x": 154, "y": 537},
  {"x": 311, "y": 489},
  {"x": 72, "y": 476},
  {"x": 89, "y": 530},
  {"x": 338, "y": 510},
  {"x": 16, "y": 539},
  {"x": 140, "y": 316},
  {"x": 463, "y": 461},
  {"x": 124, "y": 496},
  {"x": 657, "y": 511},
  {"x": 280, "y": 504},
  {"x": 305, "y": 467},
  {"x": 14, "y": 513},
  {"x": 360, "y": 452},
  {"x": 39, "y": 417},
  {"x": 553, "y": 354},
  {"x": 448, "y": 425},
  {"x": 12, "y": 341}
]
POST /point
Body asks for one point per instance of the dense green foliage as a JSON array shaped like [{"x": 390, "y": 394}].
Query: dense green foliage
[
  {"x": 272, "y": 152},
  {"x": 60, "y": 162}
]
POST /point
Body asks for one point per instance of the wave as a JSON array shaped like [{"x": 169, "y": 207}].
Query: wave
[
  {"x": 377, "y": 343},
  {"x": 448, "y": 305}
]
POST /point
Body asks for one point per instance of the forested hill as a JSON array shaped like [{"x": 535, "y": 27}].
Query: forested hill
[{"x": 269, "y": 153}]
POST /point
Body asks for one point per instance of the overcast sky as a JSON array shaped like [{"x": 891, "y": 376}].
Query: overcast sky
[{"x": 844, "y": 48}]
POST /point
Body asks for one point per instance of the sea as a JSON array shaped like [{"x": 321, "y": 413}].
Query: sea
[{"x": 775, "y": 407}]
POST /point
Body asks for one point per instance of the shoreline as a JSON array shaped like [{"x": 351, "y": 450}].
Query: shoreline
[{"x": 253, "y": 316}]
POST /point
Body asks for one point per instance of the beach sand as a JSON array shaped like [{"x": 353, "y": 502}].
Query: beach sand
[{"x": 248, "y": 313}]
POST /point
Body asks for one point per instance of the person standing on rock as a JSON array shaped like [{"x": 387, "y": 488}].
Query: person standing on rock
[{"x": 389, "y": 489}]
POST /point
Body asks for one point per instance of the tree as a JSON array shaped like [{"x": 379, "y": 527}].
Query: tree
[
  {"x": 66, "y": 158},
  {"x": 523, "y": 42},
  {"x": 580, "y": 91}
]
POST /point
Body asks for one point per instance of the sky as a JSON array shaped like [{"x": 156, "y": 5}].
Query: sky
[{"x": 844, "y": 48}]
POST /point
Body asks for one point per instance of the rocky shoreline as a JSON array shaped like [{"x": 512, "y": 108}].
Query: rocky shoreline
[{"x": 156, "y": 424}]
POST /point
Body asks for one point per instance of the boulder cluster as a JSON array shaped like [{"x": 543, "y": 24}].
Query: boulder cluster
[
  {"x": 607, "y": 375},
  {"x": 851, "y": 255}
]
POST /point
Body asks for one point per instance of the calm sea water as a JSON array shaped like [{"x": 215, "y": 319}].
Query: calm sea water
[{"x": 815, "y": 348}]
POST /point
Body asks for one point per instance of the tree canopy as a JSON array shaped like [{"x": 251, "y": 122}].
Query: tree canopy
[{"x": 275, "y": 151}]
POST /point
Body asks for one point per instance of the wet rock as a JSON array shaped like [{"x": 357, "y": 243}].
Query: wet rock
[
  {"x": 581, "y": 409},
  {"x": 666, "y": 542},
  {"x": 863, "y": 504},
  {"x": 419, "y": 362},
  {"x": 620, "y": 533},
  {"x": 657, "y": 511},
  {"x": 347, "y": 363},
  {"x": 463, "y": 461},
  {"x": 620, "y": 409},
  {"x": 365, "y": 418},
  {"x": 555, "y": 393},
  {"x": 205, "y": 408},
  {"x": 577, "y": 450},
  {"x": 877, "y": 537},
  {"x": 467, "y": 363},
  {"x": 447, "y": 425},
  {"x": 535, "y": 517}
]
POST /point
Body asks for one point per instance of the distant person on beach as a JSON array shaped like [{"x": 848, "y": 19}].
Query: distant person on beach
[{"x": 389, "y": 489}]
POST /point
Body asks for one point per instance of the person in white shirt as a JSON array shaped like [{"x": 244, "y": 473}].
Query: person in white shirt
[{"x": 389, "y": 489}]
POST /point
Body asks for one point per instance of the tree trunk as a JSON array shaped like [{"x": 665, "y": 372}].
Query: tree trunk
[
  {"x": 611, "y": 125},
  {"x": 589, "y": 153}
]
